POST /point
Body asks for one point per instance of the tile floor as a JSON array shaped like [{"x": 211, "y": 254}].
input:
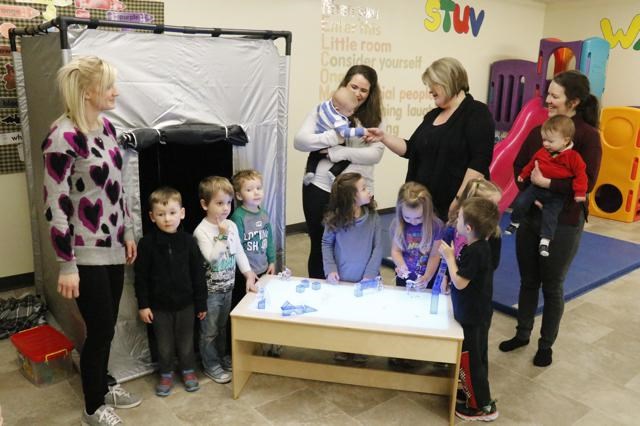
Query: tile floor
[{"x": 594, "y": 379}]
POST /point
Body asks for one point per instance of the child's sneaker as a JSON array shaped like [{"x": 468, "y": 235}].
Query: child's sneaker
[
  {"x": 360, "y": 359},
  {"x": 511, "y": 229},
  {"x": 117, "y": 397},
  {"x": 164, "y": 386},
  {"x": 104, "y": 416},
  {"x": 543, "y": 249},
  {"x": 487, "y": 413},
  {"x": 218, "y": 375},
  {"x": 190, "y": 381},
  {"x": 273, "y": 351},
  {"x": 342, "y": 356},
  {"x": 226, "y": 364}
]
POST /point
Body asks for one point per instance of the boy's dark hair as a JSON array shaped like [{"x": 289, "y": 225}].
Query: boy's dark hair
[
  {"x": 244, "y": 175},
  {"x": 163, "y": 195},
  {"x": 342, "y": 201},
  {"x": 211, "y": 185},
  {"x": 481, "y": 215},
  {"x": 560, "y": 124}
]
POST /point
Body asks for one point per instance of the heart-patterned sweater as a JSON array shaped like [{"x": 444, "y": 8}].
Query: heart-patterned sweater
[{"x": 84, "y": 197}]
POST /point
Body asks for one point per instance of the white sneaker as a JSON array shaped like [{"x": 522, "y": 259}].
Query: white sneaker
[
  {"x": 218, "y": 375},
  {"x": 104, "y": 416},
  {"x": 117, "y": 397}
]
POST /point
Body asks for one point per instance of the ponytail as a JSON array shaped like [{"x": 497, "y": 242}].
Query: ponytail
[{"x": 589, "y": 110}]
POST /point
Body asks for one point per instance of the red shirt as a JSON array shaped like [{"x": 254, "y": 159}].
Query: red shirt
[{"x": 565, "y": 164}]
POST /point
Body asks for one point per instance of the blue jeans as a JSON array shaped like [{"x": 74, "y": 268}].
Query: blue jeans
[{"x": 213, "y": 330}]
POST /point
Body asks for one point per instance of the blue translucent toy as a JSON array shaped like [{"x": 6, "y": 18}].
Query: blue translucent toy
[
  {"x": 449, "y": 235},
  {"x": 315, "y": 285},
  {"x": 368, "y": 286},
  {"x": 411, "y": 288},
  {"x": 288, "y": 309},
  {"x": 262, "y": 301},
  {"x": 300, "y": 288},
  {"x": 437, "y": 286},
  {"x": 305, "y": 283},
  {"x": 285, "y": 274}
]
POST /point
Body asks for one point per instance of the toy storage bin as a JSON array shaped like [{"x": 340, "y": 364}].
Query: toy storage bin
[{"x": 44, "y": 354}]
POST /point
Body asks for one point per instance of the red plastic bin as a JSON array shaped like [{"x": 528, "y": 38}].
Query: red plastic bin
[{"x": 44, "y": 354}]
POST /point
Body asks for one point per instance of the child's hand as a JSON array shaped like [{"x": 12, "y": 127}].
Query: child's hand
[
  {"x": 580, "y": 199},
  {"x": 271, "y": 269},
  {"x": 251, "y": 282},
  {"x": 201, "y": 315},
  {"x": 373, "y": 134},
  {"x": 402, "y": 271},
  {"x": 446, "y": 250},
  {"x": 223, "y": 227},
  {"x": 421, "y": 282},
  {"x": 445, "y": 287},
  {"x": 146, "y": 315},
  {"x": 333, "y": 277},
  {"x": 520, "y": 179}
]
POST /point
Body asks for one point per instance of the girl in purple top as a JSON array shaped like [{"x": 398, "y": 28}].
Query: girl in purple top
[{"x": 416, "y": 235}]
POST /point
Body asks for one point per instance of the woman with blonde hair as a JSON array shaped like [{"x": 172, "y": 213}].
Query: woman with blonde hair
[
  {"x": 454, "y": 143},
  {"x": 89, "y": 223}
]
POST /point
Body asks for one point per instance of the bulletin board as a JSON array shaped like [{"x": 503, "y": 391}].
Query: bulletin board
[{"x": 22, "y": 13}]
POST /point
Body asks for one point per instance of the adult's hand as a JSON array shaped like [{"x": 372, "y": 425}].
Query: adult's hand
[
  {"x": 69, "y": 285},
  {"x": 131, "y": 251},
  {"x": 538, "y": 179}
]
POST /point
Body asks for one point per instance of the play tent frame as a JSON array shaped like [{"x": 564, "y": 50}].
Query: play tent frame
[{"x": 47, "y": 47}]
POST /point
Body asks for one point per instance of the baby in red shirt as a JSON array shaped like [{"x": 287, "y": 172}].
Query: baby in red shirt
[{"x": 556, "y": 160}]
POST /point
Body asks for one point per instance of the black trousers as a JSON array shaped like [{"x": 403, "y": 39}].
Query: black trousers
[
  {"x": 547, "y": 273},
  {"x": 174, "y": 336},
  {"x": 314, "y": 203},
  {"x": 99, "y": 300},
  {"x": 552, "y": 203},
  {"x": 476, "y": 338}
]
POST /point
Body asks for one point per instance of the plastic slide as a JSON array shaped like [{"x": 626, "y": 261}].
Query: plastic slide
[{"x": 532, "y": 114}]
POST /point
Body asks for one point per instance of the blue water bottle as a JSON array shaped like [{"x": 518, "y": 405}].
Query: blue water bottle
[{"x": 448, "y": 236}]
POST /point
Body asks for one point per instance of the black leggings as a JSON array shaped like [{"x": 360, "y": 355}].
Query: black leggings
[
  {"x": 99, "y": 300},
  {"x": 314, "y": 203}
]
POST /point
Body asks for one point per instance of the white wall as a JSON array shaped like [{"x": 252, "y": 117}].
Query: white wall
[
  {"x": 577, "y": 20},
  {"x": 400, "y": 24},
  {"x": 510, "y": 30}
]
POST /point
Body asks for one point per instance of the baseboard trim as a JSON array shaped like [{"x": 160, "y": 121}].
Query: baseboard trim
[
  {"x": 301, "y": 227},
  {"x": 13, "y": 282}
]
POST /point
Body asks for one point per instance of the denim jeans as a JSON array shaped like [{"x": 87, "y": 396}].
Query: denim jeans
[
  {"x": 552, "y": 203},
  {"x": 174, "y": 335},
  {"x": 213, "y": 330}
]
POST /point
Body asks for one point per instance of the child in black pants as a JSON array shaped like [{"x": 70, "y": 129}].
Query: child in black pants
[
  {"x": 170, "y": 287},
  {"x": 471, "y": 276}
]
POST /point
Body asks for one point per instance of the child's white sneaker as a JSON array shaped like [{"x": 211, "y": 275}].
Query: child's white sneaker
[{"x": 218, "y": 375}]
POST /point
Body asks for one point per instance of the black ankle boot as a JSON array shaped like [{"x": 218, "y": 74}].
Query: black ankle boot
[
  {"x": 511, "y": 344},
  {"x": 543, "y": 357}
]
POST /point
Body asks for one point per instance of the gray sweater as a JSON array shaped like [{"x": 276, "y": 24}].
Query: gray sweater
[
  {"x": 84, "y": 198},
  {"x": 354, "y": 252}
]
